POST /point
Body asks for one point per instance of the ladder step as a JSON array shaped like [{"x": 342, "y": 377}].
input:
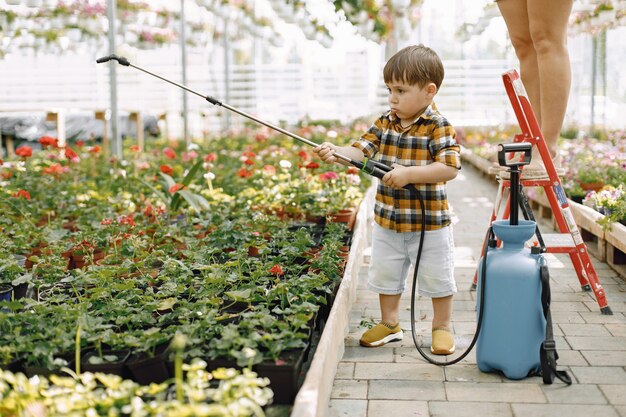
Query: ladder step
[{"x": 558, "y": 240}]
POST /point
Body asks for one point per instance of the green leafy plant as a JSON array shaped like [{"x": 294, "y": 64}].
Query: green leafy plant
[{"x": 175, "y": 192}]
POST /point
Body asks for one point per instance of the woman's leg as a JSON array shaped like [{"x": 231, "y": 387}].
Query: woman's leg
[
  {"x": 548, "y": 30},
  {"x": 515, "y": 16}
]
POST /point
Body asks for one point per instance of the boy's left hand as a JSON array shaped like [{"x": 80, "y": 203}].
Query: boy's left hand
[{"x": 398, "y": 177}]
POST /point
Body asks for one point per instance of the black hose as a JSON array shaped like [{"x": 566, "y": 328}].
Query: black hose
[{"x": 414, "y": 287}]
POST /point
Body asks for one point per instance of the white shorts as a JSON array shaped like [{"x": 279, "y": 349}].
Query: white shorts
[{"x": 393, "y": 254}]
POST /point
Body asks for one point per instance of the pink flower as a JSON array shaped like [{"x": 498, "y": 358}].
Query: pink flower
[
  {"x": 169, "y": 153},
  {"x": 330, "y": 175},
  {"x": 188, "y": 156}
]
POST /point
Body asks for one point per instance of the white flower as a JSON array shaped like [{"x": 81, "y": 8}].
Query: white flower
[
  {"x": 285, "y": 164},
  {"x": 193, "y": 147},
  {"x": 209, "y": 176},
  {"x": 331, "y": 134}
]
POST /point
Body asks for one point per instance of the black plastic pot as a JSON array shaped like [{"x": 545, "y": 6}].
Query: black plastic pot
[
  {"x": 284, "y": 376},
  {"x": 146, "y": 369},
  {"x": 115, "y": 367}
]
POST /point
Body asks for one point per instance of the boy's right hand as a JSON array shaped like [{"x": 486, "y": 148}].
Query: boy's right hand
[{"x": 326, "y": 151}]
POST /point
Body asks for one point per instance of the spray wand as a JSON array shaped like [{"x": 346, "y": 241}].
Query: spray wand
[{"x": 374, "y": 168}]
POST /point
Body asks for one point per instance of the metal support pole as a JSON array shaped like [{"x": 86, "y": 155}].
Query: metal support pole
[
  {"x": 226, "y": 73},
  {"x": 183, "y": 51},
  {"x": 594, "y": 66},
  {"x": 115, "y": 134}
]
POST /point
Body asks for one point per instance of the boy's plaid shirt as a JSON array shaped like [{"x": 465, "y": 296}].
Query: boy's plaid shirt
[{"x": 430, "y": 139}]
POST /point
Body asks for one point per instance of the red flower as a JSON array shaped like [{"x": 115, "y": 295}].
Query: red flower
[
  {"x": 106, "y": 222},
  {"x": 21, "y": 194},
  {"x": 210, "y": 157},
  {"x": 127, "y": 220},
  {"x": 135, "y": 148},
  {"x": 175, "y": 188},
  {"x": 261, "y": 137},
  {"x": 304, "y": 155},
  {"x": 244, "y": 173},
  {"x": 80, "y": 143},
  {"x": 169, "y": 153},
  {"x": 24, "y": 151},
  {"x": 277, "y": 270},
  {"x": 95, "y": 149},
  {"x": 248, "y": 162},
  {"x": 54, "y": 169},
  {"x": 7, "y": 174},
  {"x": 312, "y": 165},
  {"x": 70, "y": 154},
  {"x": 249, "y": 154},
  {"x": 330, "y": 175},
  {"x": 48, "y": 141},
  {"x": 353, "y": 170},
  {"x": 166, "y": 169}
]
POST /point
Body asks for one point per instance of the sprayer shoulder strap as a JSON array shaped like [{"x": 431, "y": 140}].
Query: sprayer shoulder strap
[{"x": 547, "y": 353}]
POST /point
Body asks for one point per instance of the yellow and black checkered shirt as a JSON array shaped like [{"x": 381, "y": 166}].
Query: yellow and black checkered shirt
[{"x": 430, "y": 139}]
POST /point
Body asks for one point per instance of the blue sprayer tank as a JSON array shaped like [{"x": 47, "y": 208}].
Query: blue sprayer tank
[{"x": 513, "y": 325}]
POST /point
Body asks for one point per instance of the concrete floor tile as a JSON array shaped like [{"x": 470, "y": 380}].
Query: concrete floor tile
[
  {"x": 494, "y": 392},
  {"x": 569, "y": 357},
  {"x": 409, "y": 371},
  {"x": 379, "y": 408},
  {"x": 406, "y": 390},
  {"x": 568, "y": 306},
  {"x": 552, "y": 410},
  {"x": 347, "y": 408},
  {"x": 567, "y": 317},
  {"x": 616, "y": 394},
  {"x": 349, "y": 389},
  {"x": 621, "y": 410},
  {"x": 569, "y": 329},
  {"x": 470, "y": 373},
  {"x": 616, "y": 329},
  {"x": 362, "y": 354},
  {"x": 605, "y": 358},
  {"x": 469, "y": 409},
  {"x": 345, "y": 370},
  {"x": 599, "y": 375},
  {"x": 559, "y": 393},
  {"x": 616, "y": 306},
  {"x": 597, "y": 342},
  {"x": 596, "y": 317}
]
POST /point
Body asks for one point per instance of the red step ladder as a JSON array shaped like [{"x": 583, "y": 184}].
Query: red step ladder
[{"x": 569, "y": 239}]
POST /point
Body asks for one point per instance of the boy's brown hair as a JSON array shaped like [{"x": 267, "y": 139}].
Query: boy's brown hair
[{"x": 416, "y": 64}]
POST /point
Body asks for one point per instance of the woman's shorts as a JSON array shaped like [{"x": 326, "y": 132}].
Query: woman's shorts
[{"x": 393, "y": 254}]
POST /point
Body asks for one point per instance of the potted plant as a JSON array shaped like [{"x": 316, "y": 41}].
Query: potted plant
[{"x": 14, "y": 278}]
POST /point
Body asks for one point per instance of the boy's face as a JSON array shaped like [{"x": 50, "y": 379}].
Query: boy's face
[{"x": 409, "y": 101}]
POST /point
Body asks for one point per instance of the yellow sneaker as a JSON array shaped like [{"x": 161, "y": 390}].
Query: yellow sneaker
[
  {"x": 380, "y": 334},
  {"x": 443, "y": 342}
]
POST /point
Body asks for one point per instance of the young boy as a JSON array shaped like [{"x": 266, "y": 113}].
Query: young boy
[{"x": 419, "y": 143}]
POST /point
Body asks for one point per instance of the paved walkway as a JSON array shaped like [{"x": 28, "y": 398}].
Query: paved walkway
[{"x": 394, "y": 380}]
